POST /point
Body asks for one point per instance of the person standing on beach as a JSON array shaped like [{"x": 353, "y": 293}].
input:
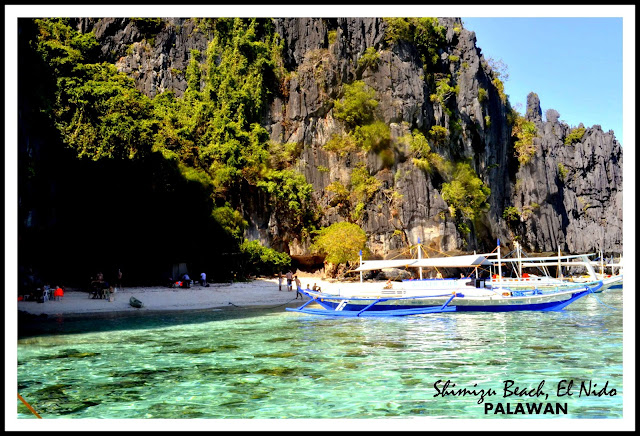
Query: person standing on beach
[
  {"x": 118, "y": 284},
  {"x": 289, "y": 280},
  {"x": 279, "y": 281},
  {"x": 203, "y": 279},
  {"x": 298, "y": 287}
]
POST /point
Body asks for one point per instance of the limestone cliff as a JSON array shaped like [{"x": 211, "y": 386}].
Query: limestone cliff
[{"x": 568, "y": 196}]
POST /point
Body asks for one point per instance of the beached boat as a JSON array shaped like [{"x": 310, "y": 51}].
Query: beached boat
[
  {"x": 494, "y": 293},
  {"x": 133, "y": 301}
]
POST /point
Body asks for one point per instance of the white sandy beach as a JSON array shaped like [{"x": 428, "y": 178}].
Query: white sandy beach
[{"x": 259, "y": 292}]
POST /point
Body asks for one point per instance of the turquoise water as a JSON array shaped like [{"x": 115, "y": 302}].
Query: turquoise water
[{"x": 276, "y": 364}]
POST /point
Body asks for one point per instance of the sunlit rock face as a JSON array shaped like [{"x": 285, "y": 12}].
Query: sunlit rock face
[{"x": 569, "y": 195}]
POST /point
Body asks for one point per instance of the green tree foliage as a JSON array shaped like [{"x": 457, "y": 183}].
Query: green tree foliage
[
  {"x": 562, "y": 171},
  {"x": 341, "y": 144},
  {"x": 194, "y": 73},
  {"x": 482, "y": 94},
  {"x": 439, "y": 135},
  {"x": 357, "y": 106},
  {"x": 290, "y": 194},
  {"x": 524, "y": 131},
  {"x": 424, "y": 158},
  {"x": 444, "y": 91},
  {"x": 424, "y": 32},
  {"x": 231, "y": 220},
  {"x": 574, "y": 136},
  {"x": 340, "y": 194},
  {"x": 213, "y": 134},
  {"x": 364, "y": 132},
  {"x": 341, "y": 242},
  {"x": 511, "y": 214},
  {"x": 465, "y": 194},
  {"x": 260, "y": 260},
  {"x": 369, "y": 59},
  {"x": 373, "y": 137},
  {"x": 363, "y": 188}
]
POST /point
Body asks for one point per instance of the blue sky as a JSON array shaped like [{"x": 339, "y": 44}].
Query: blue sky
[{"x": 573, "y": 64}]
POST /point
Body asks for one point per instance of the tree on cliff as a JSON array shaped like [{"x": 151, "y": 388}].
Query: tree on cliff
[{"x": 341, "y": 242}]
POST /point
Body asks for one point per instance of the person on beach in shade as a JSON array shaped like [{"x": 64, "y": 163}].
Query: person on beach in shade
[
  {"x": 289, "y": 280},
  {"x": 203, "y": 279},
  {"x": 279, "y": 281},
  {"x": 118, "y": 280},
  {"x": 58, "y": 293}
]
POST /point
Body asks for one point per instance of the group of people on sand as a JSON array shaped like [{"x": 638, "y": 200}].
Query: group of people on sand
[{"x": 291, "y": 279}]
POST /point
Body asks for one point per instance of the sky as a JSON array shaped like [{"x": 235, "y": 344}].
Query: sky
[{"x": 573, "y": 64}]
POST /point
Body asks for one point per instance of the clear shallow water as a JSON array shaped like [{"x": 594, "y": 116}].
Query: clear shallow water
[{"x": 276, "y": 364}]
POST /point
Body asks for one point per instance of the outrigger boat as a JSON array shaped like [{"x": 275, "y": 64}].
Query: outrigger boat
[{"x": 467, "y": 294}]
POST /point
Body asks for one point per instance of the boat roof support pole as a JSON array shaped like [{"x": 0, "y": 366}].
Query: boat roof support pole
[
  {"x": 499, "y": 266},
  {"x": 420, "y": 256}
]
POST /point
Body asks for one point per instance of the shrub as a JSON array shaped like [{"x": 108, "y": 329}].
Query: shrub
[
  {"x": 500, "y": 88},
  {"x": 341, "y": 144},
  {"x": 454, "y": 58},
  {"x": 332, "y": 36},
  {"x": 562, "y": 171},
  {"x": 511, "y": 214},
  {"x": 373, "y": 137},
  {"x": 193, "y": 71},
  {"x": 444, "y": 91},
  {"x": 482, "y": 94},
  {"x": 341, "y": 242},
  {"x": 439, "y": 135},
  {"x": 524, "y": 131},
  {"x": 466, "y": 193},
  {"x": 574, "y": 136},
  {"x": 261, "y": 260},
  {"x": 340, "y": 193},
  {"x": 370, "y": 58},
  {"x": 357, "y": 106},
  {"x": 231, "y": 220},
  {"x": 424, "y": 32}
]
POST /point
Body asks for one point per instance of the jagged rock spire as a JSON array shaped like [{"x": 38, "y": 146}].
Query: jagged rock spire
[{"x": 534, "y": 113}]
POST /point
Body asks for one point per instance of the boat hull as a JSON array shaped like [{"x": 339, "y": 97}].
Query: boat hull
[{"x": 533, "y": 300}]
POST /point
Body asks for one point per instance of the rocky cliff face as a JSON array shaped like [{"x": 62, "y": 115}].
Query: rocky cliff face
[
  {"x": 574, "y": 191},
  {"x": 569, "y": 196}
]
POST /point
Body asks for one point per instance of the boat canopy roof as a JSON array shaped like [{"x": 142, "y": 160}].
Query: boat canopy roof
[
  {"x": 470, "y": 260},
  {"x": 544, "y": 259}
]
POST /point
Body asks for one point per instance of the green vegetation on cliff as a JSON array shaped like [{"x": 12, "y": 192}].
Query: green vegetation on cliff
[
  {"x": 574, "y": 136},
  {"x": 524, "y": 131},
  {"x": 341, "y": 242},
  {"x": 212, "y": 134},
  {"x": 425, "y": 32}
]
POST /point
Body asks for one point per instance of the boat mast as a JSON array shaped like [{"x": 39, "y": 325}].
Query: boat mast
[
  {"x": 360, "y": 265},
  {"x": 420, "y": 257}
]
